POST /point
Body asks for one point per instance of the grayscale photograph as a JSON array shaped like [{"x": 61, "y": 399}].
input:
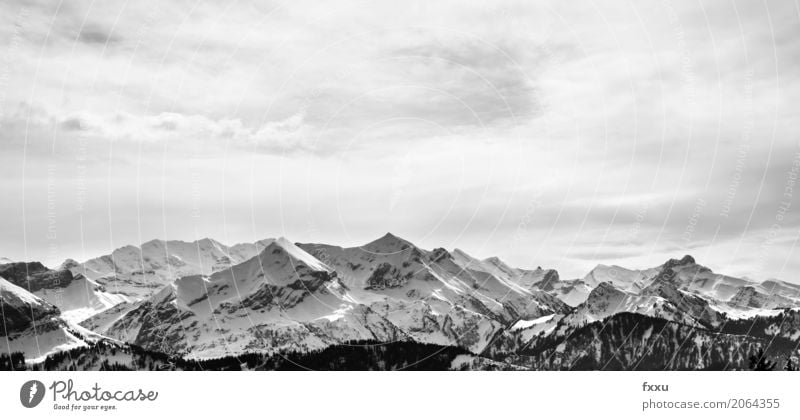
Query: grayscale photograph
[{"x": 382, "y": 186}]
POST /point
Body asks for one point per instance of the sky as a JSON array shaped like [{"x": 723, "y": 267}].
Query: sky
[{"x": 548, "y": 133}]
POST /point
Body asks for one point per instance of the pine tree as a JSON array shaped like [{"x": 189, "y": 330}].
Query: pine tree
[{"x": 761, "y": 362}]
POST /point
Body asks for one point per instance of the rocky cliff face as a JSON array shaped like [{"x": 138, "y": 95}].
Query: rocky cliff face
[
  {"x": 21, "y": 309},
  {"x": 33, "y": 276}
]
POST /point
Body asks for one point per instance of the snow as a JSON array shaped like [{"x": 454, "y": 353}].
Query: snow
[
  {"x": 99, "y": 323},
  {"x": 141, "y": 271},
  {"x": 280, "y": 299},
  {"x": 298, "y": 254},
  {"x": 55, "y": 342},
  {"x": 338, "y": 314},
  {"x": 81, "y": 298},
  {"x": 190, "y": 288},
  {"x": 523, "y": 324},
  {"x": 38, "y": 346},
  {"x": 744, "y": 313},
  {"x": 576, "y": 295},
  {"x": 437, "y": 294},
  {"x": 461, "y": 361},
  {"x": 509, "y": 277},
  {"x": 647, "y": 333},
  {"x": 620, "y": 277},
  {"x": 13, "y": 292},
  {"x": 78, "y": 315}
]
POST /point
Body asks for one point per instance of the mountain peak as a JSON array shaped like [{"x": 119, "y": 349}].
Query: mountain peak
[
  {"x": 673, "y": 262},
  {"x": 604, "y": 292},
  {"x": 68, "y": 264},
  {"x": 494, "y": 260},
  {"x": 499, "y": 264},
  {"x": 460, "y": 252},
  {"x": 668, "y": 272},
  {"x": 152, "y": 243},
  {"x": 33, "y": 276},
  {"x": 605, "y": 286},
  {"x": 389, "y": 236},
  {"x": 283, "y": 242},
  {"x": 209, "y": 243},
  {"x": 604, "y": 289},
  {"x": 388, "y": 243},
  {"x": 296, "y": 254},
  {"x": 662, "y": 286},
  {"x": 600, "y": 268}
]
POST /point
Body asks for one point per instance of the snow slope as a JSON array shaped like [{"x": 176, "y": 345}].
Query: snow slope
[
  {"x": 81, "y": 298},
  {"x": 31, "y": 325},
  {"x": 209, "y": 300},
  {"x": 310, "y": 296},
  {"x": 76, "y": 296},
  {"x": 138, "y": 272},
  {"x": 281, "y": 299}
]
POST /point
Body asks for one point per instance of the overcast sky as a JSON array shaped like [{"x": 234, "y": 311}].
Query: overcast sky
[{"x": 554, "y": 134}]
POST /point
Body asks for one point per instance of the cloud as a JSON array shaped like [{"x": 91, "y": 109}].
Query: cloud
[
  {"x": 440, "y": 121},
  {"x": 95, "y": 34},
  {"x": 282, "y": 136}
]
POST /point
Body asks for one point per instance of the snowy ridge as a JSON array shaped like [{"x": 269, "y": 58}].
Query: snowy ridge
[
  {"x": 203, "y": 299},
  {"x": 138, "y": 272},
  {"x": 31, "y": 325},
  {"x": 18, "y": 297},
  {"x": 76, "y": 296},
  {"x": 310, "y": 296}
]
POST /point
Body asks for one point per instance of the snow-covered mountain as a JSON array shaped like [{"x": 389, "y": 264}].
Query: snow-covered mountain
[
  {"x": 575, "y": 292},
  {"x": 632, "y": 281},
  {"x": 281, "y": 299},
  {"x": 659, "y": 300},
  {"x": 206, "y": 300},
  {"x": 633, "y": 341},
  {"x": 311, "y": 296},
  {"x": 686, "y": 275},
  {"x": 527, "y": 279},
  {"x": 31, "y": 325},
  {"x": 76, "y": 297},
  {"x": 139, "y": 272},
  {"x": 751, "y": 297},
  {"x": 21, "y": 309},
  {"x": 456, "y": 290},
  {"x": 34, "y": 276}
]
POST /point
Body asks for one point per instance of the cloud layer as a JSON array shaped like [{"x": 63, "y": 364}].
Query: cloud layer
[{"x": 560, "y": 134}]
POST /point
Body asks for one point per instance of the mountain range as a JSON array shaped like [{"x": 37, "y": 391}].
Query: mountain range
[{"x": 206, "y": 301}]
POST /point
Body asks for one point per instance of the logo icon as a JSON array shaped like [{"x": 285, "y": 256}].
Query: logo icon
[{"x": 31, "y": 393}]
